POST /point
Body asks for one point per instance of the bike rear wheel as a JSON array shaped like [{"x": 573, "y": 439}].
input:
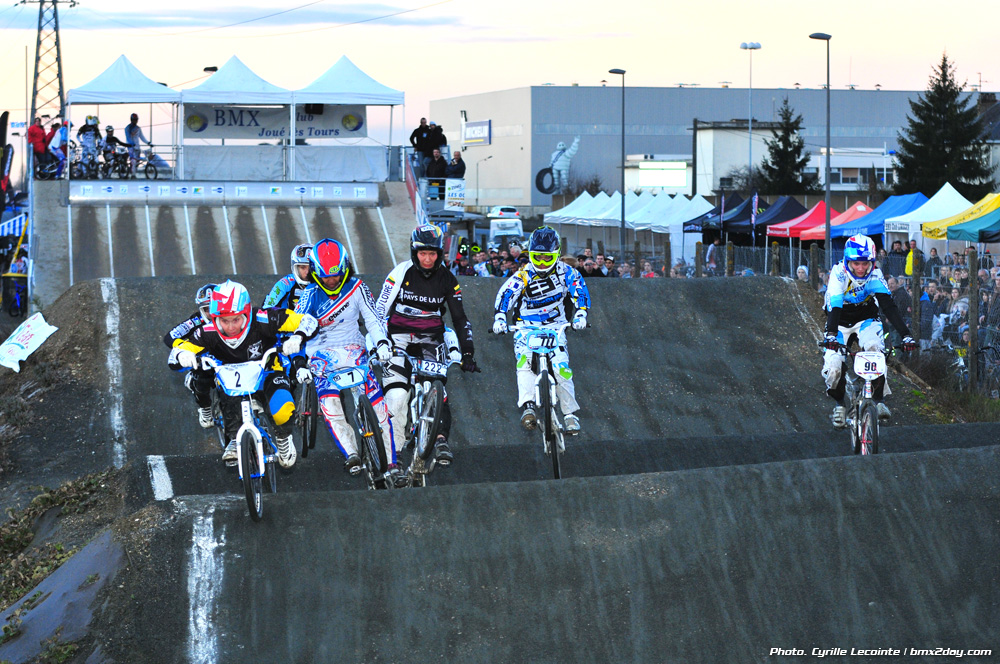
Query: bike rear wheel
[
  {"x": 429, "y": 419},
  {"x": 251, "y": 471},
  {"x": 371, "y": 444},
  {"x": 548, "y": 424},
  {"x": 306, "y": 417},
  {"x": 868, "y": 428},
  {"x": 150, "y": 172}
]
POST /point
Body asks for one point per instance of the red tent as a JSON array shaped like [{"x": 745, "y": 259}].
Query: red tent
[
  {"x": 818, "y": 232},
  {"x": 793, "y": 227}
]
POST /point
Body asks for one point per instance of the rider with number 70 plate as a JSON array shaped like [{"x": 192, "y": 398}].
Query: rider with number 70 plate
[
  {"x": 856, "y": 292},
  {"x": 536, "y": 294}
]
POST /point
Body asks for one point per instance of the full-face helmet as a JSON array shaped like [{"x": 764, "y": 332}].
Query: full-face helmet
[
  {"x": 543, "y": 249},
  {"x": 300, "y": 257},
  {"x": 231, "y": 299},
  {"x": 427, "y": 237},
  {"x": 859, "y": 248},
  {"x": 203, "y": 300},
  {"x": 328, "y": 258},
  {"x": 92, "y": 120}
]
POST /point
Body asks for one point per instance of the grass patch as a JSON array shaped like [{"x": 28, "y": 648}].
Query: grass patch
[
  {"x": 56, "y": 651},
  {"x": 949, "y": 404},
  {"x": 22, "y": 568}
]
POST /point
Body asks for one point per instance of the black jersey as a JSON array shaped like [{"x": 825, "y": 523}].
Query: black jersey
[
  {"x": 410, "y": 302},
  {"x": 265, "y": 324}
]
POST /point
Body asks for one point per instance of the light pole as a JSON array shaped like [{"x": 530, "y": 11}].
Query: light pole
[
  {"x": 822, "y": 36},
  {"x": 477, "y": 177},
  {"x": 621, "y": 232},
  {"x": 751, "y": 47}
]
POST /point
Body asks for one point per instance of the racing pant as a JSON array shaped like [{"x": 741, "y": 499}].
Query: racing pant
[
  {"x": 870, "y": 338},
  {"x": 200, "y": 383},
  {"x": 275, "y": 396},
  {"x": 565, "y": 389},
  {"x": 396, "y": 378},
  {"x": 323, "y": 364},
  {"x": 58, "y": 154}
]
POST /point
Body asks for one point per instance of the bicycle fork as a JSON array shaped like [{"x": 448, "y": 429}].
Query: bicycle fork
[{"x": 246, "y": 410}]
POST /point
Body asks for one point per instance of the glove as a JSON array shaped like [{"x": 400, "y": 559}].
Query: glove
[
  {"x": 909, "y": 344},
  {"x": 830, "y": 342},
  {"x": 383, "y": 352},
  {"x": 455, "y": 355},
  {"x": 187, "y": 359},
  {"x": 500, "y": 324},
  {"x": 580, "y": 320},
  {"x": 292, "y": 345},
  {"x": 469, "y": 364},
  {"x": 303, "y": 375}
]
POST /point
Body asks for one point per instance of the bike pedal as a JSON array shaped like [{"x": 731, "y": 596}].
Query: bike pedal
[{"x": 232, "y": 463}]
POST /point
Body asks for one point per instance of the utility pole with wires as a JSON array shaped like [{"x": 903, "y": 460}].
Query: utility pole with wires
[{"x": 47, "y": 90}]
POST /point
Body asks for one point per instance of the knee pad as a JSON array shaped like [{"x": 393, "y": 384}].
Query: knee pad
[
  {"x": 832, "y": 368},
  {"x": 282, "y": 406}
]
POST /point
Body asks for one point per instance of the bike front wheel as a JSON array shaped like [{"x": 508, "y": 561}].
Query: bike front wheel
[
  {"x": 252, "y": 475},
  {"x": 868, "y": 429},
  {"x": 150, "y": 172},
  {"x": 371, "y": 444},
  {"x": 547, "y": 423},
  {"x": 306, "y": 417},
  {"x": 429, "y": 419}
]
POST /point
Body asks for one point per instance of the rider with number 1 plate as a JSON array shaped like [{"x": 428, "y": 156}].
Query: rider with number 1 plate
[
  {"x": 536, "y": 295},
  {"x": 412, "y": 302},
  {"x": 856, "y": 292},
  {"x": 337, "y": 299}
]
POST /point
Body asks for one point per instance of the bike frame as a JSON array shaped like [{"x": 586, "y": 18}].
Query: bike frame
[
  {"x": 422, "y": 374},
  {"x": 868, "y": 366}
]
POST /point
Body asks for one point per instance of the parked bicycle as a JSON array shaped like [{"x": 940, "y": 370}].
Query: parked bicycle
[
  {"x": 116, "y": 163},
  {"x": 862, "y": 411},
  {"x": 543, "y": 342},
  {"x": 145, "y": 163},
  {"x": 256, "y": 450},
  {"x": 426, "y": 403}
]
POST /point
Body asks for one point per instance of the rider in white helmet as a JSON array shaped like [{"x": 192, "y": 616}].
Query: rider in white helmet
[{"x": 856, "y": 292}]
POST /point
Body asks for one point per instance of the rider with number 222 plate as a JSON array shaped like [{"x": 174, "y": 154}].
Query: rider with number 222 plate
[
  {"x": 856, "y": 292},
  {"x": 337, "y": 299},
  {"x": 412, "y": 302},
  {"x": 536, "y": 294}
]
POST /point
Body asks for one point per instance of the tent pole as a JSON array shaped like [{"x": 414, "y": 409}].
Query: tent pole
[
  {"x": 388, "y": 153},
  {"x": 290, "y": 173}
]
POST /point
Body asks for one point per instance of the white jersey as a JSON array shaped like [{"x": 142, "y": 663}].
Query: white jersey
[
  {"x": 338, "y": 316},
  {"x": 539, "y": 299}
]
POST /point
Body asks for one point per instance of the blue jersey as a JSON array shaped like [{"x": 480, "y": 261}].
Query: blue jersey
[
  {"x": 539, "y": 299},
  {"x": 285, "y": 294}
]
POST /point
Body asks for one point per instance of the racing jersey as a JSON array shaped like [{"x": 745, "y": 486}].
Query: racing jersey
[
  {"x": 338, "y": 316},
  {"x": 183, "y": 330},
  {"x": 409, "y": 302},
  {"x": 265, "y": 325},
  {"x": 285, "y": 293},
  {"x": 848, "y": 301},
  {"x": 540, "y": 299}
]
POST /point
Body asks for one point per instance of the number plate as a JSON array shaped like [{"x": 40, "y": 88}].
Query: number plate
[
  {"x": 869, "y": 365},
  {"x": 429, "y": 367},
  {"x": 240, "y": 378},
  {"x": 349, "y": 378},
  {"x": 539, "y": 340}
]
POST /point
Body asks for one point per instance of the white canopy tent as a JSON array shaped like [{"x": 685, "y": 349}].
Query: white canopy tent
[
  {"x": 566, "y": 213},
  {"x": 344, "y": 83},
  {"x": 683, "y": 245},
  {"x": 647, "y": 218},
  {"x": 122, "y": 83}
]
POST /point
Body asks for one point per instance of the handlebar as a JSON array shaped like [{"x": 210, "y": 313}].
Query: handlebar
[
  {"x": 210, "y": 362},
  {"x": 844, "y": 349}
]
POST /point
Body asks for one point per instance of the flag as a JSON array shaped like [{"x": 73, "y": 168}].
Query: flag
[{"x": 753, "y": 218}]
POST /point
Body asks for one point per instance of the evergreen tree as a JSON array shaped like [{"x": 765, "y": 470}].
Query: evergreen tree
[
  {"x": 943, "y": 142},
  {"x": 782, "y": 169}
]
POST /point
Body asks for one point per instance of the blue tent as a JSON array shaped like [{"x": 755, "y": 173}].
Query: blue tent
[
  {"x": 873, "y": 223},
  {"x": 710, "y": 221}
]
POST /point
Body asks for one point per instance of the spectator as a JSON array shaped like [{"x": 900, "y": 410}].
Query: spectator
[
  {"x": 36, "y": 139},
  {"x": 481, "y": 264},
  {"x": 927, "y": 312},
  {"x": 437, "y": 167},
  {"x": 456, "y": 168},
  {"x": 420, "y": 140},
  {"x": 712, "y": 257},
  {"x": 911, "y": 256},
  {"x": 588, "y": 252},
  {"x": 437, "y": 138},
  {"x": 986, "y": 260},
  {"x": 19, "y": 265},
  {"x": 901, "y": 297},
  {"x": 570, "y": 260},
  {"x": 495, "y": 268},
  {"x": 514, "y": 248},
  {"x": 802, "y": 273},
  {"x": 647, "y": 271},
  {"x": 609, "y": 266},
  {"x": 933, "y": 264},
  {"x": 463, "y": 269},
  {"x": 509, "y": 266},
  {"x": 599, "y": 262},
  {"x": 949, "y": 259},
  {"x": 883, "y": 261},
  {"x": 824, "y": 280},
  {"x": 625, "y": 270},
  {"x": 897, "y": 259},
  {"x": 590, "y": 269}
]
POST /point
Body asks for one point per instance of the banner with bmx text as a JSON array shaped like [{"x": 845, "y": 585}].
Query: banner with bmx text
[{"x": 25, "y": 340}]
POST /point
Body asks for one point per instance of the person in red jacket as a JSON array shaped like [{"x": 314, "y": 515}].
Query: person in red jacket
[{"x": 36, "y": 139}]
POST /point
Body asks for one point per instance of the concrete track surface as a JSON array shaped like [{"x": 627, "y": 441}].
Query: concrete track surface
[{"x": 709, "y": 511}]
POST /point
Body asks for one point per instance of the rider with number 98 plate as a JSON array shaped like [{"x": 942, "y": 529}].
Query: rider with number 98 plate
[
  {"x": 413, "y": 300},
  {"x": 856, "y": 292},
  {"x": 536, "y": 295}
]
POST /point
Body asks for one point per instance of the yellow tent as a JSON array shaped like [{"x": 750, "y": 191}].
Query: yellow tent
[{"x": 938, "y": 230}]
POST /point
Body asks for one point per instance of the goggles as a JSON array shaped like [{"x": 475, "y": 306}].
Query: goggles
[{"x": 543, "y": 258}]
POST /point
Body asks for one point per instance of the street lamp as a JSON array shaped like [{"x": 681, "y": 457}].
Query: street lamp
[
  {"x": 751, "y": 47},
  {"x": 822, "y": 36},
  {"x": 621, "y": 232},
  {"x": 477, "y": 177}
]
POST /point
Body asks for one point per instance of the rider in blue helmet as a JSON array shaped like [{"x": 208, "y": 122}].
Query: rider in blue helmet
[
  {"x": 536, "y": 294},
  {"x": 854, "y": 296}
]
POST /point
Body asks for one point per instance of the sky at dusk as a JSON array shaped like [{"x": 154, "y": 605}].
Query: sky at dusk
[{"x": 434, "y": 50}]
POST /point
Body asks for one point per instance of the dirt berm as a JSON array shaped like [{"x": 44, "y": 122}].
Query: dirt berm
[{"x": 714, "y": 557}]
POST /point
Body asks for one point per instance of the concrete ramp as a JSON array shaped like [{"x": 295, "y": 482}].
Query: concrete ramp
[{"x": 715, "y": 565}]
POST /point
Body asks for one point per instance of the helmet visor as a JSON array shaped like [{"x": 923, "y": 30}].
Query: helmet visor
[{"x": 543, "y": 259}]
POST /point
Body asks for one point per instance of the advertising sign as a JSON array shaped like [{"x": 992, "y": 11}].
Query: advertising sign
[
  {"x": 272, "y": 122},
  {"x": 479, "y": 132},
  {"x": 26, "y": 339},
  {"x": 454, "y": 195}
]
